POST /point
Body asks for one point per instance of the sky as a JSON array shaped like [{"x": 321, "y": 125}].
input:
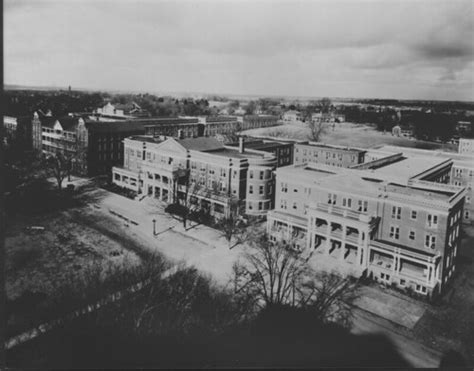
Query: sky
[{"x": 405, "y": 49}]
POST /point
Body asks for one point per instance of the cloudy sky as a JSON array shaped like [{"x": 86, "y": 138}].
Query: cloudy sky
[{"x": 388, "y": 49}]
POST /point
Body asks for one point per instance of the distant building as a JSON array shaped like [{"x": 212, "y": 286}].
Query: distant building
[
  {"x": 339, "y": 156},
  {"x": 172, "y": 127},
  {"x": 258, "y": 121},
  {"x": 463, "y": 127},
  {"x": 466, "y": 146},
  {"x": 93, "y": 146},
  {"x": 121, "y": 111},
  {"x": 202, "y": 169},
  {"x": 292, "y": 116},
  {"x": 330, "y": 117},
  {"x": 18, "y": 131},
  {"x": 219, "y": 125}
]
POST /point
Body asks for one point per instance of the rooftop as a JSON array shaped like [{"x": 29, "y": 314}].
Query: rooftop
[
  {"x": 203, "y": 144},
  {"x": 407, "y": 168},
  {"x": 323, "y": 145},
  {"x": 467, "y": 160},
  {"x": 145, "y": 138}
]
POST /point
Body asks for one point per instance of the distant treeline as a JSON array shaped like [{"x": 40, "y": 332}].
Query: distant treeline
[
  {"x": 425, "y": 125},
  {"x": 61, "y": 102}
]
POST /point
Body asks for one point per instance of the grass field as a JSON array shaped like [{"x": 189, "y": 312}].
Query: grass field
[
  {"x": 40, "y": 263},
  {"x": 346, "y": 134}
]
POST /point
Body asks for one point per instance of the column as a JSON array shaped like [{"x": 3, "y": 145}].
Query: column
[
  {"x": 343, "y": 243},
  {"x": 328, "y": 238},
  {"x": 360, "y": 250}
]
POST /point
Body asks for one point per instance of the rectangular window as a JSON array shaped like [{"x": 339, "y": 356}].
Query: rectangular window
[
  {"x": 430, "y": 241},
  {"x": 251, "y": 174},
  {"x": 402, "y": 282},
  {"x": 260, "y": 191},
  {"x": 250, "y": 189},
  {"x": 432, "y": 220},
  {"x": 396, "y": 212},
  {"x": 413, "y": 214},
  {"x": 261, "y": 175},
  {"x": 411, "y": 236},
  {"x": 394, "y": 232},
  {"x": 284, "y": 187}
]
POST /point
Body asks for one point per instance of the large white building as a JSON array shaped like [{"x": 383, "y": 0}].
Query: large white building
[
  {"x": 391, "y": 219},
  {"x": 462, "y": 171}
]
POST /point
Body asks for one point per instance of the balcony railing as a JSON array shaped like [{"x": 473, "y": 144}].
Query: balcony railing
[{"x": 340, "y": 211}]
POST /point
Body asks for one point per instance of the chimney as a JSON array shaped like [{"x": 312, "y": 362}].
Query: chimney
[
  {"x": 241, "y": 145},
  {"x": 180, "y": 134}
]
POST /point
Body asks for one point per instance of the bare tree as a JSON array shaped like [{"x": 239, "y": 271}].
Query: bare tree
[
  {"x": 317, "y": 129},
  {"x": 329, "y": 297},
  {"x": 59, "y": 166},
  {"x": 274, "y": 274},
  {"x": 324, "y": 105},
  {"x": 232, "y": 226},
  {"x": 270, "y": 273}
]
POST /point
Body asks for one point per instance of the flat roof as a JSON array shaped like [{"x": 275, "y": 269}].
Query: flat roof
[
  {"x": 145, "y": 138},
  {"x": 234, "y": 153},
  {"x": 330, "y": 146},
  {"x": 466, "y": 159},
  {"x": 438, "y": 195},
  {"x": 408, "y": 167}
]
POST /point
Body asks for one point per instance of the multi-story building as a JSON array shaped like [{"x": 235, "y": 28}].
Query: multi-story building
[
  {"x": 315, "y": 152},
  {"x": 200, "y": 169},
  {"x": 18, "y": 131},
  {"x": 330, "y": 117},
  {"x": 216, "y": 125},
  {"x": 172, "y": 127},
  {"x": 258, "y": 121},
  {"x": 292, "y": 116},
  {"x": 94, "y": 147},
  {"x": 461, "y": 174},
  {"x": 119, "y": 111},
  {"x": 466, "y": 146},
  {"x": 283, "y": 151},
  {"x": 383, "y": 221}
]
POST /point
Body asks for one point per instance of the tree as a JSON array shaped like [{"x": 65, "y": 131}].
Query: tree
[
  {"x": 231, "y": 226},
  {"x": 274, "y": 274},
  {"x": 317, "y": 129},
  {"x": 324, "y": 105},
  {"x": 269, "y": 274},
  {"x": 59, "y": 166},
  {"x": 329, "y": 297},
  {"x": 250, "y": 108}
]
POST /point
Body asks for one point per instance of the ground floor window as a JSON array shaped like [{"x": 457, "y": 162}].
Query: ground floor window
[
  {"x": 218, "y": 208},
  {"x": 117, "y": 176},
  {"x": 402, "y": 282}
]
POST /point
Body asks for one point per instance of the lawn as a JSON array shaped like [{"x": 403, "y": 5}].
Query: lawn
[
  {"x": 56, "y": 252},
  {"x": 347, "y": 134}
]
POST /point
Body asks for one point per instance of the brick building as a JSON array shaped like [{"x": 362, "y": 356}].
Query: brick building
[
  {"x": 258, "y": 121},
  {"x": 93, "y": 146},
  {"x": 283, "y": 151},
  {"x": 315, "y": 152}
]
